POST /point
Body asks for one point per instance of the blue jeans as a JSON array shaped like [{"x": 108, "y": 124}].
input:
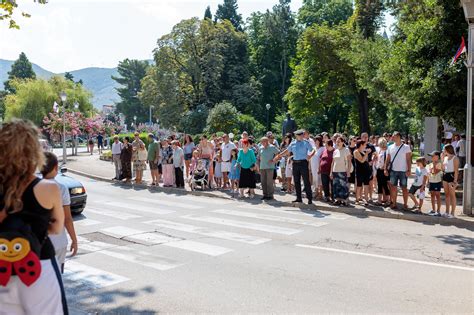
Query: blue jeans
[{"x": 396, "y": 177}]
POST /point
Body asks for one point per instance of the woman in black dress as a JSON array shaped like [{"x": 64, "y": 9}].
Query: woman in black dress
[
  {"x": 126, "y": 159},
  {"x": 363, "y": 172}
]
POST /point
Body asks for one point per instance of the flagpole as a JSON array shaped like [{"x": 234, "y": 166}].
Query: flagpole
[{"x": 467, "y": 180}]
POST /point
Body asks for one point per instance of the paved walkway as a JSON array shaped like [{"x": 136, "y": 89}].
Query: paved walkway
[{"x": 92, "y": 166}]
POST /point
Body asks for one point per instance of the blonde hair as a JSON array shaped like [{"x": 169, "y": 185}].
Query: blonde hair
[
  {"x": 382, "y": 143},
  {"x": 20, "y": 157}
]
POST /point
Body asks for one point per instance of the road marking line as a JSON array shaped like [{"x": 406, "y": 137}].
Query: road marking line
[
  {"x": 114, "y": 214},
  {"x": 385, "y": 257},
  {"x": 230, "y": 236},
  {"x": 294, "y": 211},
  {"x": 135, "y": 207},
  {"x": 90, "y": 276},
  {"x": 199, "y": 247},
  {"x": 243, "y": 224},
  {"x": 270, "y": 217},
  {"x": 166, "y": 203},
  {"x": 86, "y": 222},
  {"x": 121, "y": 231},
  {"x": 207, "y": 200},
  {"x": 142, "y": 258}
]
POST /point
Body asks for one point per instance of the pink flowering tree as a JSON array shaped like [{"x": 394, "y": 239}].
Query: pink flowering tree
[{"x": 53, "y": 124}]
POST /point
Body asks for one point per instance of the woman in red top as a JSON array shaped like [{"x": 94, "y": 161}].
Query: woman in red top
[{"x": 325, "y": 170}]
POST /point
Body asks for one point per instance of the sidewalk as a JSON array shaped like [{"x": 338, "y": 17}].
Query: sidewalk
[{"x": 91, "y": 166}]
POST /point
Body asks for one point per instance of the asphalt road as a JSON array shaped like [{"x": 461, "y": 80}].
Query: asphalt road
[{"x": 144, "y": 252}]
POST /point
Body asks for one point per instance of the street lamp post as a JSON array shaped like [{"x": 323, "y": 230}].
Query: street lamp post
[
  {"x": 74, "y": 138},
  {"x": 151, "y": 107},
  {"x": 468, "y": 6},
  {"x": 135, "y": 121},
  {"x": 63, "y": 100},
  {"x": 268, "y": 106}
]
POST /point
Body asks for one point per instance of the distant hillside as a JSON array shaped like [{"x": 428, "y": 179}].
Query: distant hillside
[{"x": 96, "y": 80}]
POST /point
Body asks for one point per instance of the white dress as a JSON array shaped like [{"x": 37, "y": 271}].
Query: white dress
[{"x": 315, "y": 166}]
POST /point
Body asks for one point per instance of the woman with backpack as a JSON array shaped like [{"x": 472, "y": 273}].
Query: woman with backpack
[{"x": 30, "y": 208}]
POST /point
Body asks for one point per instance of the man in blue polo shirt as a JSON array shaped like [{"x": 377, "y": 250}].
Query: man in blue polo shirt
[{"x": 302, "y": 153}]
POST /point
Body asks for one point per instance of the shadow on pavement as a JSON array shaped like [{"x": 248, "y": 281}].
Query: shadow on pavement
[
  {"x": 82, "y": 299},
  {"x": 465, "y": 244}
]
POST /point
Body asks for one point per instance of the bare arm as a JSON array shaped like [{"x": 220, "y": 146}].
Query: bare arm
[
  {"x": 408, "y": 157},
  {"x": 456, "y": 170},
  {"x": 69, "y": 225}
]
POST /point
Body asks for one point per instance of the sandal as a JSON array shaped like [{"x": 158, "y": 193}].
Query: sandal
[{"x": 417, "y": 212}]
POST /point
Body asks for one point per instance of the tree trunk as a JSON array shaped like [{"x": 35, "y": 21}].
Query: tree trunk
[{"x": 364, "y": 111}]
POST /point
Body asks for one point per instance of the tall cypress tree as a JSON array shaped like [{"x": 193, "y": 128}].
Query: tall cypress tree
[
  {"x": 208, "y": 13},
  {"x": 228, "y": 11},
  {"x": 21, "y": 69}
]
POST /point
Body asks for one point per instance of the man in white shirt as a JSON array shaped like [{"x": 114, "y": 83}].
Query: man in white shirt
[
  {"x": 116, "y": 151},
  {"x": 461, "y": 150},
  {"x": 307, "y": 137},
  {"x": 398, "y": 161},
  {"x": 226, "y": 165}
]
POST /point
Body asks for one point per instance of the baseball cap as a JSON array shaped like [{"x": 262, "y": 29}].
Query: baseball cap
[
  {"x": 435, "y": 153},
  {"x": 299, "y": 132}
]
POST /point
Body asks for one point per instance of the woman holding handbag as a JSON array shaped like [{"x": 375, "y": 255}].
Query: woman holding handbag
[{"x": 340, "y": 172}]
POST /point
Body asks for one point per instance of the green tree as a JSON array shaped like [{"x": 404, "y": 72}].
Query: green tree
[
  {"x": 367, "y": 20},
  {"x": 34, "y": 99},
  {"x": 7, "y": 9},
  {"x": 192, "y": 121},
  {"x": 427, "y": 34},
  {"x": 250, "y": 124},
  {"x": 228, "y": 11},
  {"x": 323, "y": 90},
  {"x": 272, "y": 44},
  {"x": 223, "y": 117},
  {"x": 21, "y": 69},
  {"x": 208, "y": 13},
  {"x": 69, "y": 76},
  {"x": 131, "y": 72},
  {"x": 332, "y": 12},
  {"x": 3, "y": 95}
]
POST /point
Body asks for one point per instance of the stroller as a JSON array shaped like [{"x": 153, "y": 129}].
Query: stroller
[{"x": 199, "y": 177}]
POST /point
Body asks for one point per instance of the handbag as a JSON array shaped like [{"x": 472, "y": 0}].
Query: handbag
[{"x": 142, "y": 155}]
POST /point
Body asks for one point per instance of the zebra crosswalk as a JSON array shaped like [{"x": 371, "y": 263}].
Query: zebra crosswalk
[{"x": 160, "y": 235}]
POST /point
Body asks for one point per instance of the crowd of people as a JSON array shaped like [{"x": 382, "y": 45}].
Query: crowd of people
[{"x": 330, "y": 167}]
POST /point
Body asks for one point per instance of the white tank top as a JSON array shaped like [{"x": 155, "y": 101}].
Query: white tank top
[{"x": 448, "y": 165}]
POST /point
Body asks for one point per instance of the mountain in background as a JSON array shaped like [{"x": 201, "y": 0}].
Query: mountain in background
[{"x": 97, "y": 80}]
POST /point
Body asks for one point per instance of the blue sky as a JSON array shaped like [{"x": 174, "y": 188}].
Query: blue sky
[{"x": 66, "y": 35}]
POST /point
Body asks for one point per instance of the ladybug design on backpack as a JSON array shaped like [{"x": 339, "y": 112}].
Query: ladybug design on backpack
[{"x": 16, "y": 254}]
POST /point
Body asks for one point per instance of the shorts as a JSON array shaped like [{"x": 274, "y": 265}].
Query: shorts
[
  {"x": 153, "y": 165},
  {"x": 352, "y": 178},
  {"x": 188, "y": 156},
  {"x": 100, "y": 145},
  {"x": 362, "y": 179},
  {"x": 160, "y": 169},
  {"x": 45, "y": 296},
  {"x": 398, "y": 177},
  {"x": 436, "y": 186},
  {"x": 226, "y": 167},
  {"x": 61, "y": 255},
  {"x": 414, "y": 189},
  {"x": 448, "y": 177}
]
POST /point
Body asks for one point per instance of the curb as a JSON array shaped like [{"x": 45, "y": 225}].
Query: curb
[{"x": 358, "y": 212}]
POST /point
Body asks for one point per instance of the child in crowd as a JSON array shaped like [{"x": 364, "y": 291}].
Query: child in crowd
[
  {"x": 178, "y": 163},
  {"x": 234, "y": 175},
  {"x": 419, "y": 184},
  {"x": 60, "y": 242},
  {"x": 218, "y": 169},
  {"x": 435, "y": 169},
  {"x": 167, "y": 164}
]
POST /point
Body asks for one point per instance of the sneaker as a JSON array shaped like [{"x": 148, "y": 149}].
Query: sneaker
[
  {"x": 449, "y": 216},
  {"x": 297, "y": 201},
  {"x": 432, "y": 212},
  {"x": 310, "y": 202}
]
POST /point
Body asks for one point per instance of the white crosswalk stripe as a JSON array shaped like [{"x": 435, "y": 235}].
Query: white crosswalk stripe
[
  {"x": 141, "y": 258},
  {"x": 165, "y": 240},
  {"x": 89, "y": 276},
  {"x": 243, "y": 224},
  {"x": 138, "y": 208},
  {"x": 270, "y": 217},
  {"x": 86, "y": 222},
  {"x": 165, "y": 202},
  {"x": 297, "y": 212},
  {"x": 230, "y": 236},
  {"x": 114, "y": 214}
]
